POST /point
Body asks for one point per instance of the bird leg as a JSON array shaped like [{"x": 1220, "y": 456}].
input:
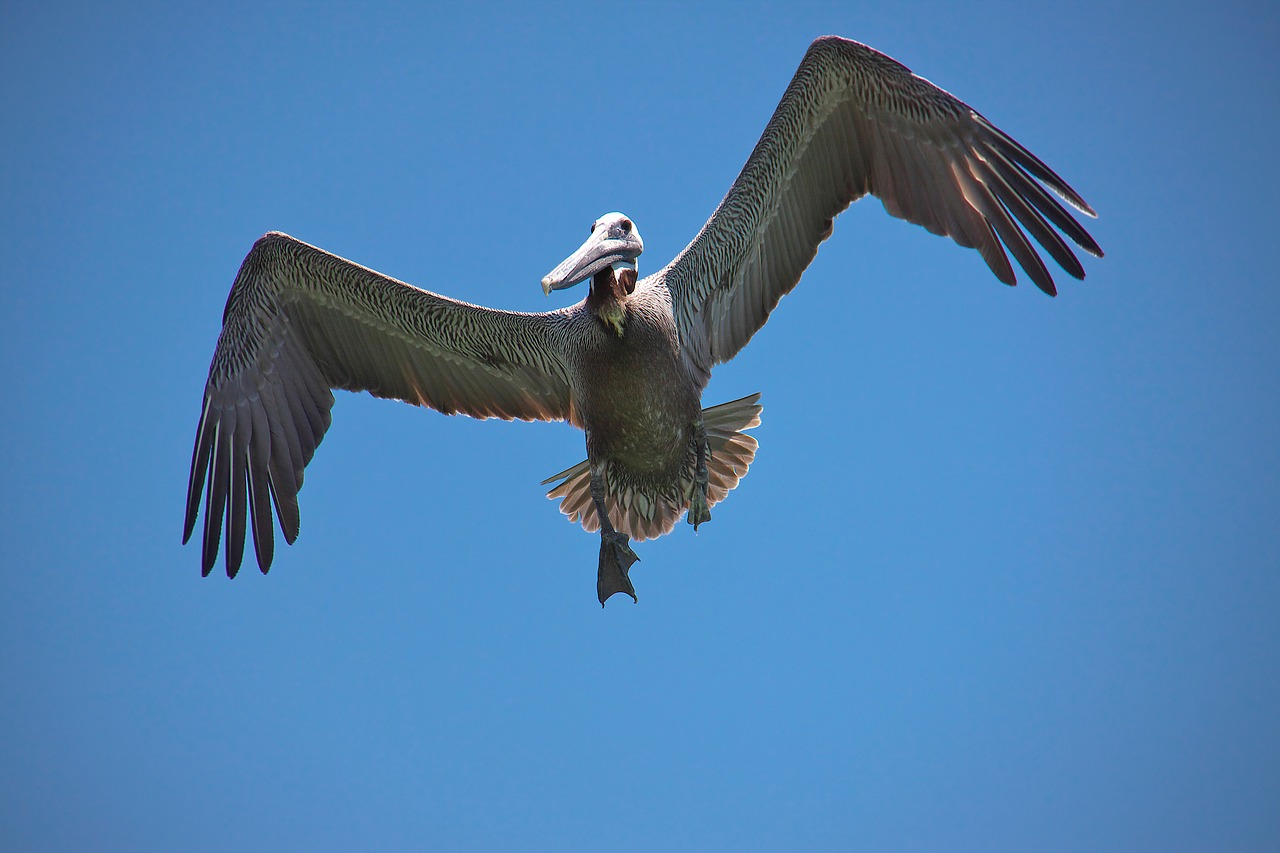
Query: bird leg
[
  {"x": 616, "y": 556},
  {"x": 699, "y": 511}
]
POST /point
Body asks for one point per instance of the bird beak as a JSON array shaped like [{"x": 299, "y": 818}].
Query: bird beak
[{"x": 600, "y": 251}]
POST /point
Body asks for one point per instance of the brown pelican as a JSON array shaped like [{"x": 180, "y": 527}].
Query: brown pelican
[{"x": 628, "y": 364}]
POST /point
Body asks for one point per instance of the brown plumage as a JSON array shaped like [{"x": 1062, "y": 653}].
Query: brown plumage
[{"x": 629, "y": 363}]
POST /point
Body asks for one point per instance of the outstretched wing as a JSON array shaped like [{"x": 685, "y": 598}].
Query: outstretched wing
[
  {"x": 299, "y": 322},
  {"x": 852, "y": 122}
]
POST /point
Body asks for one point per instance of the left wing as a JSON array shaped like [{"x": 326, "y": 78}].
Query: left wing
[{"x": 852, "y": 122}]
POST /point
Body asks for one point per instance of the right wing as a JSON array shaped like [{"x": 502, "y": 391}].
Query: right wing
[{"x": 299, "y": 322}]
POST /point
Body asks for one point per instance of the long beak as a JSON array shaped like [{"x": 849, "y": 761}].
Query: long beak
[{"x": 598, "y": 252}]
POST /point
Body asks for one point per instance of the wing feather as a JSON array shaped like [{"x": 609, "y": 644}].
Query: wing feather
[
  {"x": 219, "y": 482},
  {"x": 236, "y": 503},
  {"x": 260, "y": 487}
]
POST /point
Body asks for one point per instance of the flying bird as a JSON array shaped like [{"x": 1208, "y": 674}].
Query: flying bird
[{"x": 628, "y": 364}]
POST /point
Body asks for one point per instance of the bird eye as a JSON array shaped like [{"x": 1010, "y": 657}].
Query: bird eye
[{"x": 626, "y": 226}]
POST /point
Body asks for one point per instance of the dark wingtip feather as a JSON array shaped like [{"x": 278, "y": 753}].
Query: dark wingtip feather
[
  {"x": 237, "y": 509},
  {"x": 286, "y": 510},
  {"x": 215, "y": 501},
  {"x": 997, "y": 261},
  {"x": 199, "y": 467},
  {"x": 259, "y": 490}
]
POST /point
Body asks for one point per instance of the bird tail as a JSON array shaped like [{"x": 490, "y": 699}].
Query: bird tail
[{"x": 643, "y": 515}]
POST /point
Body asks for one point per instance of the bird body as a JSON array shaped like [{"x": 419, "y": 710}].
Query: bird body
[
  {"x": 636, "y": 395},
  {"x": 629, "y": 363}
]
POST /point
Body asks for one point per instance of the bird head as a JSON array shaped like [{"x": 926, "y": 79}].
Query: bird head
[{"x": 614, "y": 241}]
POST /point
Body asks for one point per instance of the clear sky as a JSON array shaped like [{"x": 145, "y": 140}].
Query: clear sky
[{"x": 1006, "y": 571}]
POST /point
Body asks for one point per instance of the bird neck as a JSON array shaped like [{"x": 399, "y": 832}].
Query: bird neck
[{"x": 608, "y": 297}]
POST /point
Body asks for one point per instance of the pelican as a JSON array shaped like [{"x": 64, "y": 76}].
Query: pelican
[{"x": 628, "y": 364}]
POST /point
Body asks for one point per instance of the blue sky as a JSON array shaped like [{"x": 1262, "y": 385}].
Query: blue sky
[{"x": 1005, "y": 574}]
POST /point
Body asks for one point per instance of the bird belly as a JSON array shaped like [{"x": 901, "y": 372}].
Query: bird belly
[
  {"x": 650, "y": 445},
  {"x": 646, "y": 432},
  {"x": 639, "y": 410}
]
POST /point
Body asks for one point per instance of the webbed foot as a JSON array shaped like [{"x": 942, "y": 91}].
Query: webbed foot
[
  {"x": 698, "y": 509},
  {"x": 616, "y": 560}
]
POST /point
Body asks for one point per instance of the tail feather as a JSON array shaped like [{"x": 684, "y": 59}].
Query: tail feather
[{"x": 644, "y": 516}]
